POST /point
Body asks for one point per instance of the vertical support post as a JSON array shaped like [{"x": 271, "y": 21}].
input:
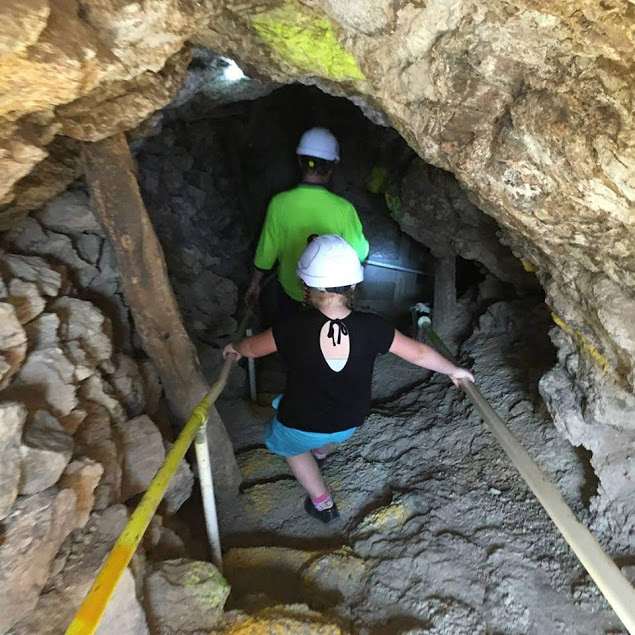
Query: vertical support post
[
  {"x": 402, "y": 279},
  {"x": 251, "y": 370},
  {"x": 206, "y": 481},
  {"x": 444, "y": 309},
  {"x": 117, "y": 202}
]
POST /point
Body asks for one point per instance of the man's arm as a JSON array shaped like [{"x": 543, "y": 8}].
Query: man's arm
[
  {"x": 252, "y": 295},
  {"x": 266, "y": 256},
  {"x": 354, "y": 234}
]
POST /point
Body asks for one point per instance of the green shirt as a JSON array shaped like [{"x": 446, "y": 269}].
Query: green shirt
[{"x": 295, "y": 215}]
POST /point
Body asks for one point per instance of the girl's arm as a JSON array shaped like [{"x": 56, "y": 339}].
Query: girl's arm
[
  {"x": 255, "y": 346},
  {"x": 426, "y": 357}
]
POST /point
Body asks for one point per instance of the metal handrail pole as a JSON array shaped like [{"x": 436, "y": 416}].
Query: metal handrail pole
[{"x": 609, "y": 579}]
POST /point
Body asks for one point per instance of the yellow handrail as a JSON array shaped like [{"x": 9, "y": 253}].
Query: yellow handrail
[{"x": 91, "y": 611}]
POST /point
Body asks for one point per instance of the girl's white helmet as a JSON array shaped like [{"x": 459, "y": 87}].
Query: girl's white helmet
[
  {"x": 329, "y": 261},
  {"x": 320, "y": 143}
]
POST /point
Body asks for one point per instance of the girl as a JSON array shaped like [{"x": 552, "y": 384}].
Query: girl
[{"x": 329, "y": 352}]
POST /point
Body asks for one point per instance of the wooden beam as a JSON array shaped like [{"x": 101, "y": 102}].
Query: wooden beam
[{"x": 117, "y": 202}]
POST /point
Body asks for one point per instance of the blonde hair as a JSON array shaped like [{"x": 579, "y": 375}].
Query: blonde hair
[{"x": 318, "y": 298}]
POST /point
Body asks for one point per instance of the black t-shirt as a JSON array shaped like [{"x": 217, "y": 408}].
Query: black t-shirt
[{"x": 317, "y": 398}]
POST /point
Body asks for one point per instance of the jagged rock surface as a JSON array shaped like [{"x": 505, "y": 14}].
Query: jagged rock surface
[
  {"x": 32, "y": 534},
  {"x": 12, "y": 418},
  {"x": 528, "y": 104},
  {"x": 67, "y": 390},
  {"x": 46, "y": 450}
]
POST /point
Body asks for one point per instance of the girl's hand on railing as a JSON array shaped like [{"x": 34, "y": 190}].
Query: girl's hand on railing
[
  {"x": 230, "y": 350},
  {"x": 460, "y": 373}
]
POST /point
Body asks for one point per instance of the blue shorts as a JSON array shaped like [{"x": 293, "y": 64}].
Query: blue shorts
[{"x": 291, "y": 442}]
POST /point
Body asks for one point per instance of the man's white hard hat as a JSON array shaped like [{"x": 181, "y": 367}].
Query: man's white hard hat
[
  {"x": 329, "y": 261},
  {"x": 320, "y": 143}
]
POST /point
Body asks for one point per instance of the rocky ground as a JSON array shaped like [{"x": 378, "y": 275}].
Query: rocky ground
[{"x": 439, "y": 534}]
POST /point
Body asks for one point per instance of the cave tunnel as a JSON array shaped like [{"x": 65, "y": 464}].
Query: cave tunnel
[
  {"x": 437, "y": 532},
  {"x": 208, "y": 174}
]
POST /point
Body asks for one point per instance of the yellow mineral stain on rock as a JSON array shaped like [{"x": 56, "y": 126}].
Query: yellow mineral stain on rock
[
  {"x": 385, "y": 518},
  {"x": 600, "y": 359},
  {"x": 528, "y": 265},
  {"x": 263, "y": 557},
  {"x": 261, "y": 463},
  {"x": 293, "y": 619},
  {"x": 259, "y": 499}
]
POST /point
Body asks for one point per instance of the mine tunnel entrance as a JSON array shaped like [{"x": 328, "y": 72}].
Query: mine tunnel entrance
[{"x": 207, "y": 177}]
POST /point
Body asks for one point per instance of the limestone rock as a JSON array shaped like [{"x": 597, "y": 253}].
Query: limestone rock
[
  {"x": 34, "y": 269},
  {"x": 82, "y": 476},
  {"x": 540, "y": 136},
  {"x": 42, "y": 332},
  {"x": 260, "y": 465},
  {"x": 27, "y": 237},
  {"x": 184, "y": 596},
  {"x": 128, "y": 385},
  {"x": 73, "y": 420},
  {"x": 282, "y": 573},
  {"x": 272, "y": 570},
  {"x": 143, "y": 453},
  {"x": 124, "y": 614},
  {"x": 282, "y": 620},
  {"x": 95, "y": 439},
  {"x": 30, "y": 238},
  {"x": 433, "y": 209},
  {"x": 33, "y": 533},
  {"x": 23, "y": 22},
  {"x": 47, "y": 448},
  {"x": 45, "y": 381},
  {"x": 163, "y": 543},
  {"x": 69, "y": 213},
  {"x": 89, "y": 247},
  {"x": 592, "y": 410},
  {"x": 13, "y": 343},
  {"x": 26, "y": 299},
  {"x": 85, "y": 334},
  {"x": 180, "y": 488},
  {"x": 96, "y": 390},
  {"x": 211, "y": 300},
  {"x": 12, "y": 418},
  {"x": 90, "y": 547}
]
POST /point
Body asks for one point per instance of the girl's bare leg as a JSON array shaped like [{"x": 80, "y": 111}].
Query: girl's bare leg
[{"x": 306, "y": 470}]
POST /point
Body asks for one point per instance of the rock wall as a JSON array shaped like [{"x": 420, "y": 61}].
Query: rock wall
[{"x": 77, "y": 419}]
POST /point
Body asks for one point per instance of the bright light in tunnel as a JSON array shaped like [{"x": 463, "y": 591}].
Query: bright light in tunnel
[{"x": 232, "y": 72}]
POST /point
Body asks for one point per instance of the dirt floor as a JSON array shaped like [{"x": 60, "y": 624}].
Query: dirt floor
[{"x": 439, "y": 533}]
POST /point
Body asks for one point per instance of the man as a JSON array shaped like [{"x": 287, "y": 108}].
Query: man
[{"x": 295, "y": 215}]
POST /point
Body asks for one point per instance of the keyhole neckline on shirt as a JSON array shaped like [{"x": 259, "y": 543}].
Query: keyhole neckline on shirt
[{"x": 334, "y": 342}]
